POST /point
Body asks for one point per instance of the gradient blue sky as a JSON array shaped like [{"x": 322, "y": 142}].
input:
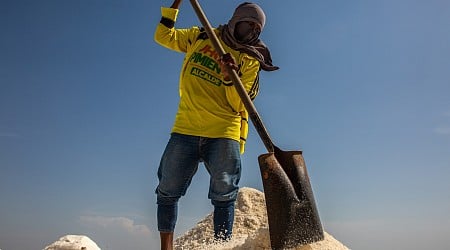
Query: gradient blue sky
[{"x": 87, "y": 100}]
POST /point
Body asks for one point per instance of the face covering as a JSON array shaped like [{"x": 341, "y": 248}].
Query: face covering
[
  {"x": 244, "y": 32},
  {"x": 239, "y": 36}
]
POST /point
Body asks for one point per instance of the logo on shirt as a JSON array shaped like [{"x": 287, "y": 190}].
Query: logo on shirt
[
  {"x": 205, "y": 76},
  {"x": 206, "y": 60}
]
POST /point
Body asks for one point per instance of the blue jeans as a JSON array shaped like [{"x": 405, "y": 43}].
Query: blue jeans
[{"x": 178, "y": 165}]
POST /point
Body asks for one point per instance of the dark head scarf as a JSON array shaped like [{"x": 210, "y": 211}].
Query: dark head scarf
[{"x": 255, "y": 48}]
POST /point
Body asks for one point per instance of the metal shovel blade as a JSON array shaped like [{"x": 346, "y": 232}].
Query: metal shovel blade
[{"x": 291, "y": 209}]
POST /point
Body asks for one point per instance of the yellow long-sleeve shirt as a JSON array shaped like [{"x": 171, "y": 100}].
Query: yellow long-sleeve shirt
[{"x": 208, "y": 107}]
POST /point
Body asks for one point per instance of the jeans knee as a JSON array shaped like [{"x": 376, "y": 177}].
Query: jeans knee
[{"x": 165, "y": 199}]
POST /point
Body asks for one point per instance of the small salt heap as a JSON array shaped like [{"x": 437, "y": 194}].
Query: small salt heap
[{"x": 73, "y": 242}]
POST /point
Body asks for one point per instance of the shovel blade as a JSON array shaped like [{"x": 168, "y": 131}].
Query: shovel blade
[{"x": 292, "y": 213}]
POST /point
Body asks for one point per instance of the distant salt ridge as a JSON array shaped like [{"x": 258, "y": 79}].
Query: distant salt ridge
[
  {"x": 73, "y": 242},
  {"x": 250, "y": 231}
]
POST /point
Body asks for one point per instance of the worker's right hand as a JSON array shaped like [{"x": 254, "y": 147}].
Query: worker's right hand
[{"x": 227, "y": 60}]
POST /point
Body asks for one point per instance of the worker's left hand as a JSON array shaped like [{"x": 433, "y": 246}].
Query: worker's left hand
[{"x": 227, "y": 60}]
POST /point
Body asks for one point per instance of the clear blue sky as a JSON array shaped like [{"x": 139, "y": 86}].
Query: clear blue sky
[{"x": 87, "y": 101}]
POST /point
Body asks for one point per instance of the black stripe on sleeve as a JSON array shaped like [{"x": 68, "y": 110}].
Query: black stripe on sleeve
[
  {"x": 255, "y": 88},
  {"x": 167, "y": 22}
]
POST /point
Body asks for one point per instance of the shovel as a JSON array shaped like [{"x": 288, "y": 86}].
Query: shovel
[{"x": 291, "y": 209}]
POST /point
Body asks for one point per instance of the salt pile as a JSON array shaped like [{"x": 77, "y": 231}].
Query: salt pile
[
  {"x": 250, "y": 231},
  {"x": 73, "y": 242}
]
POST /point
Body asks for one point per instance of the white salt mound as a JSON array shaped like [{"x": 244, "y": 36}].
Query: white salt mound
[
  {"x": 250, "y": 230},
  {"x": 73, "y": 242}
]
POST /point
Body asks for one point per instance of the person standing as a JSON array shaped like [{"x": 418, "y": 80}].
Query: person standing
[{"x": 211, "y": 123}]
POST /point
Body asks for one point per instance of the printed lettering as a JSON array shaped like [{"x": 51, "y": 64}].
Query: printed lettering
[
  {"x": 205, "y": 61},
  {"x": 205, "y": 76},
  {"x": 210, "y": 51}
]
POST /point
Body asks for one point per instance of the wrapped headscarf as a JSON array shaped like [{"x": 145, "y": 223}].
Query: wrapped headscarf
[{"x": 254, "y": 47}]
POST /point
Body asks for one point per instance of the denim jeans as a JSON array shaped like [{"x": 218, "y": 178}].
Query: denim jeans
[{"x": 178, "y": 165}]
